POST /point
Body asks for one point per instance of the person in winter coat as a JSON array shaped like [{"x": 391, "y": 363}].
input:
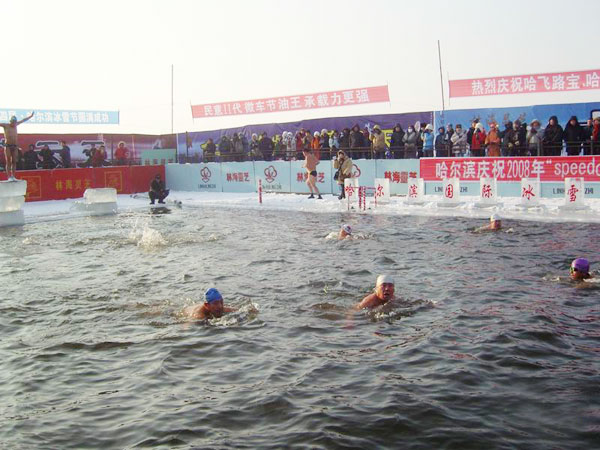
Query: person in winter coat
[
  {"x": 492, "y": 141},
  {"x": 396, "y": 142},
  {"x": 238, "y": 148},
  {"x": 265, "y": 148},
  {"x": 410, "y": 143},
  {"x": 344, "y": 165},
  {"x": 427, "y": 138},
  {"x": 209, "y": 151},
  {"x": 552, "y": 140},
  {"x": 448, "y": 139},
  {"x": 573, "y": 136},
  {"x": 225, "y": 148},
  {"x": 459, "y": 141},
  {"x": 378, "y": 142},
  {"x": 325, "y": 154},
  {"x": 439, "y": 143},
  {"x": 315, "y": 145},
  {"x": 334, "y": 140},
  {"x": 345, "y": 139},
  {"x": 31, "y": 158},
  {"x": 595, "y": 139},
  {"x": 509, "y": 138},
  {"x": 533, "y": 139},
  {"x": 470, "y": 132},
  {"x": 478, "y": 140},
  {"x": 356, "y": 141}
]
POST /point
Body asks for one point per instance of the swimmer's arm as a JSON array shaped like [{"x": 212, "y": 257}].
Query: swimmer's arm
[
  {"x": 195, "y": 312},
  {"x": 26, "y": 118},
  {"x": 229, "y": 309},
  {"x": 368, "y": 302}
]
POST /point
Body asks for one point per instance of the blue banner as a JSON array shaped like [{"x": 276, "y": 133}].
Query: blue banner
[{"x": 62, "y": 117}]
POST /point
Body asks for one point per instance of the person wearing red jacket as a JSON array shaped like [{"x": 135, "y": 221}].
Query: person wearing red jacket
[
  {"x": 121, "y": 155},
  {"x": 478, "y": 141}
]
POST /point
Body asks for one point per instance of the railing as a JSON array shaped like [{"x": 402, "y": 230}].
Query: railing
[{"x": 405, "y": 152}]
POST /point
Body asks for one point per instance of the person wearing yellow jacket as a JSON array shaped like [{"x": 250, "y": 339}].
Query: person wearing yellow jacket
[{"x": 344, "y": 165}]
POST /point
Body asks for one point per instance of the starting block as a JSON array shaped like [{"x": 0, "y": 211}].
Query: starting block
[
  {"x": 98, "y": 202},
  {"x": 451, "y": 193},
  {"x": 530, "y": 193},
  {"x": 416, "y": 191},
  {"x": 488, "y": 193},
  {"x": 12, "y": 197},
  {"x": 574, "y": 195}
]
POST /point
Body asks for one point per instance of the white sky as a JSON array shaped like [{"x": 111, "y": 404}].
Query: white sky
[{"x": 117, "y": 55}]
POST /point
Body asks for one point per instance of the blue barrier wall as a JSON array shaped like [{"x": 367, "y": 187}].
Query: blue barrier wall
[{"x": 289, "y": 177}]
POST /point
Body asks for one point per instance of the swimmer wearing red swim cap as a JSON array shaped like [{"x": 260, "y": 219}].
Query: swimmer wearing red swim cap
[{"x": 384, "y": 293}]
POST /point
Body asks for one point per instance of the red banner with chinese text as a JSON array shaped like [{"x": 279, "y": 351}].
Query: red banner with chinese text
[
  {"x": 318, "y": 100},
  {"x": 511, "y": 169},
  {"x": 60, "y": 184},
  {"x": 526, "y": 84}
]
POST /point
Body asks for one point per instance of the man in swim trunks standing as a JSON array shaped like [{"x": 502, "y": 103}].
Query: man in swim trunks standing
[
  {"x": 310, "y": 164},
  {"x": 210, "y": 309},
  {"x": 384, "y": 293},
  {"x": 12, "y": 145}
]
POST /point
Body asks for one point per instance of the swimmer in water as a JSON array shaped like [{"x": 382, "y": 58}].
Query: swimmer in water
[
  {"x": 384, "y": 293},
  {"x": 580, "y": 269},
  {"x": 494, "y": 225},
  {"x": 210, "y": 309},
  {"x": 345, "y": 231}
]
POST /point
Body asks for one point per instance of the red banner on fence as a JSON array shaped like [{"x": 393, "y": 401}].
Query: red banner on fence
[
  {"x": 511, "y": 169},
  {"x": 293, "y": 102},
  {"x": 60, "y": 184},
  {"x": 526, "y": 84}
]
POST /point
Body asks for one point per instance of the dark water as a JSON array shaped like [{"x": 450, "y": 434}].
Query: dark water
[{"x": 487, "y": 351}]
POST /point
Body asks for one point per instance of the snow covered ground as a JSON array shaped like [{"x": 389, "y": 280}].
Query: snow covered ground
[{"x": 548, "y": 211}]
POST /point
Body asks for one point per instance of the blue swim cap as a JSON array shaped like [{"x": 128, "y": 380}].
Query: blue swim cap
[
  {"x": 13, "y": 119},
  {"x": 212, "y": 295}
]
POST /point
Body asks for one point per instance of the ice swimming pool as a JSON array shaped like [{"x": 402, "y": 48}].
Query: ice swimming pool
[{"x": 487, "y": 350}]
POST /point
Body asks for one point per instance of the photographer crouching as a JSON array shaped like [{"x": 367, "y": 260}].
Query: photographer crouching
[{"x": 157, "y": 190}]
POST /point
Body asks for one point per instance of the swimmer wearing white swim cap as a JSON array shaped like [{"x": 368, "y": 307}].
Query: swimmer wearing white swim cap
[
  {"x": 384, "y": 293},
  {"x": 494, "y": 225},
  {"x": 345, "y": 231}
]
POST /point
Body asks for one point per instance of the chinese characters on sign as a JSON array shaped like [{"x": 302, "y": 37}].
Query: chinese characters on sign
[
  {"x": 238, "y": 177},
  {"x": 511, "y": 169},
  {"x": 486, "y": 191},
  {"x": 399, "y": 177},
  {"x": 301, "y": 177},
  {"x": 528, "y": 192},
  {"x": 296, "y": 102},
  {"x": 526, "y": 84},
  {"x": 572, "y": 193},
  {"x": 61, "y": 117}
]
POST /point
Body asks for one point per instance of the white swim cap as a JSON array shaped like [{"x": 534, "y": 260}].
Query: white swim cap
[
  {"x": 347, "y": 228},
  {"x": 495, "y": 217},
  {"x": 382, "y": 279}
]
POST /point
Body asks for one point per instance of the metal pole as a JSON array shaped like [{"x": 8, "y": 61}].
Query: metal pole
[
  {"x": 441, "y": 78},
  {"x": 172, "y": 98}
]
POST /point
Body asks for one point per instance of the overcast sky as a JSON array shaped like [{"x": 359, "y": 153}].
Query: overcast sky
[{"x": 117, "y": 55}]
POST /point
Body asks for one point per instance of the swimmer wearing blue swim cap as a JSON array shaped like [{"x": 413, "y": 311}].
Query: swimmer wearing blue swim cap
[
  {"x": 384, "y": 293},
  {"x": 211, "y": 308},
  {"x": 580, "y": 269}
]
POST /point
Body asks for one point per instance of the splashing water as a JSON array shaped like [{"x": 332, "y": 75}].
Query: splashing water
[{"x": 146, "y": 237}]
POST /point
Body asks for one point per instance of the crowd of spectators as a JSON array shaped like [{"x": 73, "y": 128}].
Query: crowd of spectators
[
  {"x": 419, "y": 141},
  {"x": 46, "y": 158}
]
